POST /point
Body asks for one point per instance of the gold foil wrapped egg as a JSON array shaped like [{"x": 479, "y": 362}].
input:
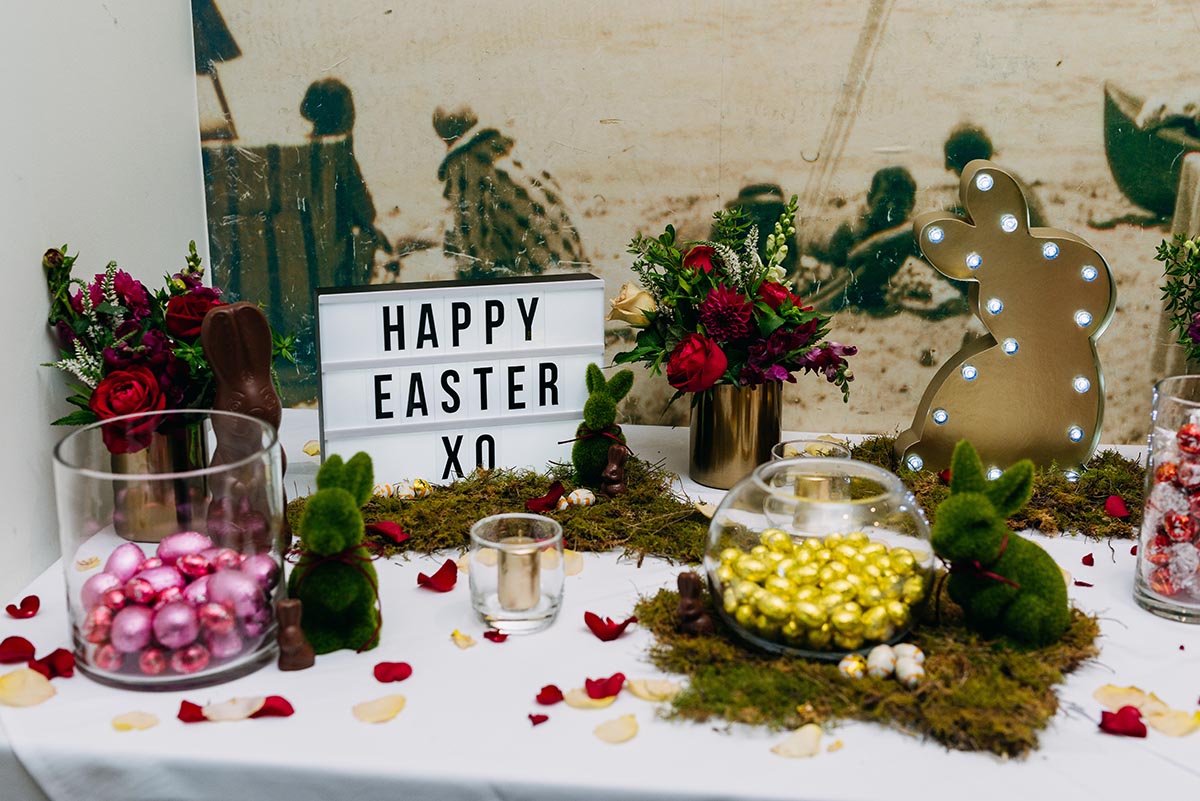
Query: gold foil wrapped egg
[
  {"x": 873, "y": 549},
  {"x": 909, "y": 672},
  {"x": 804, "y": 574},
  {"x": 729, "y": 556},
  {"x": 857, "y": 538},
  {"x": 852, "y": 666},
  {"x": 820, "y": 638},
  {"x": 421, "y": 488},
  {"x": 793, "y": 632},
  {"x": 840, "y": 586},
  {"x": 752, "y": 568},
  {"x": 914, "y": 589},
  {"x": 833, "y": 540},
  {"x": 902, "y": 560},
  {"x": 773, "y": 607},
  {"x": 812, "y": 544},
  {"x": 831, "y": 600},
  {"x": 776, "y": 540},
  {"x": 870, "y": 595},
  {"x": 845, "y": 552},
  {"x": 822, "y": 555},
  {"x": 808, "y": 614},
  {"x": 846, "y": 621},
  {"x": 898, "y": 612},
  {"x": 725, "y": 574},
  {"x": 777, "y": 585},
  {"x": 847, "y": 641},
  {"x": 760, "y": 551},
  {"x": 745, "y": 614},
  {"x": 876, "y": 624},
  {"x": 729, "y": 601}
]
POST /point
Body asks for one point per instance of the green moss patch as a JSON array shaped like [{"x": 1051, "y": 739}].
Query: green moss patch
[{"x": 979, "y": 694}]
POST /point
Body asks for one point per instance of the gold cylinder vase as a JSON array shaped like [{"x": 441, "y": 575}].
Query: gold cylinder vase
[{"x": 733, "y": 430}]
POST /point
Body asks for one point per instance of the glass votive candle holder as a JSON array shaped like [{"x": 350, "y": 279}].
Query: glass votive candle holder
[
  {"x": 516, "y": 571},
  {"x": 812, "y": 448},
  {"x": 170, "y": 525}
]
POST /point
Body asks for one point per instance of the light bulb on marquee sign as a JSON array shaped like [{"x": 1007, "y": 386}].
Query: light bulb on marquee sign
[
  {"x": 436, "y": 379},
  {"x": 1032, "y": 386}
]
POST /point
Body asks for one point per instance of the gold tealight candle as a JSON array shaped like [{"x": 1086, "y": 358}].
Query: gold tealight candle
[{"x": 520, "y": 574}]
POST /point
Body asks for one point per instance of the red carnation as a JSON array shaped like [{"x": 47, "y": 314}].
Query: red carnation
[
  {"x": 726, "y": 314},
  {"x": 695, "y": 364},
  {"x": 700, "y": 258}
]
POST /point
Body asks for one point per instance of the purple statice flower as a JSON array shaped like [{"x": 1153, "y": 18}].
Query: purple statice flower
[{"x": 1194, "y": 329}]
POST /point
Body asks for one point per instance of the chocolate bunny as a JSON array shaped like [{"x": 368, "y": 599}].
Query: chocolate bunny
[
  {"x": 295, "y": 652},
  {"x": 1032, "y": 386}
]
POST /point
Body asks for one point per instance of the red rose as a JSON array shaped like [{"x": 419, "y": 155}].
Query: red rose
[
  {"x": 185, "y": 313},
  {"x": 699, "y": 258},
  {"x": 128, "y": 392},
  {"x": 695, "y": 364}
]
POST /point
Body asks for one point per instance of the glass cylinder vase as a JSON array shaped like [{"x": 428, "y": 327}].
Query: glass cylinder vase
[
  {"x": 1167, "y": 581},
  {"x": 183, "y": 609},
  {"x": 732, "y": 432}
]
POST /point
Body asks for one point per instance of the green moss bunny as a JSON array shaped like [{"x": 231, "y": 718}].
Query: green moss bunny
[
  {"x": 335, "y": 578},
  {"x": 1003, "y": 583},
  {"x": 599, "y": 429}
]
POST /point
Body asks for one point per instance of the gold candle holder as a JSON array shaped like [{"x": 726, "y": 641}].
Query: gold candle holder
[{"x": 520, "y": 574}]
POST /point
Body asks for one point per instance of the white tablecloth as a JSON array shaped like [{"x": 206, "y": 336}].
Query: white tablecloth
[{"x": 464, "y": 733}]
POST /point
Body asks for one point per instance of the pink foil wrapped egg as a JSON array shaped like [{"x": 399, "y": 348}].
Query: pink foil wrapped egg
[
  {"x": 222, "y": 558},
  {"x": 258, "y": 623},
  {"x": 168, "y": 596},
  {"x": 152, "y": 661},
  {"x": 223, "y": 646},
  {"x": 193, "y": 565},
  {"x": 97, "y": 585},
  {"x": 176, "y": 625},
  {"x": 263, "y": 568},
  {"x": 149, "y": 563},
  {"x": 196, "y": 593},
  {"x": 216, "y": 618},
  {"x": 183, "y": 543},
  {"x": 238, "y": 591},
  {"x": 107, "y": 657},
  {"x": 123, "y": 562},
  {"x": 140, "y": 591},
  {"x": 98, "y": 624},
  {"x": 192, "y": 659},
  {"x": 113, "y": 599},
  {"x": 131, "y": 629},
  {"x": 161, "y": 577}
]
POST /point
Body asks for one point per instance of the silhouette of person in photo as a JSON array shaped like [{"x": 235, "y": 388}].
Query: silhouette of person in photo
[
  {"x": 968, "y": 142},
  {"x": 506, "y": 220},
  {"x": 763, "y": 203}
]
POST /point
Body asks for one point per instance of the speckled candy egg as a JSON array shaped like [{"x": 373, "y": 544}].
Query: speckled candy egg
[
  {"x": 852, "y": 666},
  {"x": 906, "y": 650},
  {"x": 881, "y": 661},
  {"x": 909, "y": 672}
]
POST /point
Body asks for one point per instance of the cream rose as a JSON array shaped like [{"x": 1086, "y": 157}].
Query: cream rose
[{"x": 631, "y": 304}]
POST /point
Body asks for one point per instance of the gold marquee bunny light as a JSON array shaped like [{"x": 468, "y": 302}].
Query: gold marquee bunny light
[{"x": 1032, "y": 386}]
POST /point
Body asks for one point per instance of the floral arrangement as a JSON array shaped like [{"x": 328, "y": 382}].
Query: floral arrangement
[
  {"x": 131, "y": 350},
  {"x": 1181, "y": 292},
  {"x": 718, "y": 312}
]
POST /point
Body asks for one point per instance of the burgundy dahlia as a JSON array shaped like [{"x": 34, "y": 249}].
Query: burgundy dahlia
[{"x": 726, "y": 314}]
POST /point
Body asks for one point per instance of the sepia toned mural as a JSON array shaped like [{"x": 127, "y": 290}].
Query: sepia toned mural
[{"x": 368, "y": 141}]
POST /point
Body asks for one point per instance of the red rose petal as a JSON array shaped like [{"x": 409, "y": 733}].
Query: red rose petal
[
  {"x": 550, "y": 695},
  {"x": 495, "y": 636},
  {"x": 548, "y": 501},
  {"x": 29, "y": 607},
  {"x": 1126, "y": 721},
  {"x": 1079, "y": 583},
  {"x": 40, "y": 667},
  {"x": 944, "y": 475},
  {"x": 1089, "y": 560},
  {"x": 388, "y": 530},
  {"x": 1116, "y": 507},
  {"x": 441, "y": 581},
  {"x": 606, "y": 629},
  {"x": 191, "y": 713},
  {"x": 276, "y": 706},
  {"x": 15, "y": 649},
  {"x": 604, "y": 688},
  {"x": 392, "y": 671},
  {"x": 56, "y": 664},
  {"x": 1133, "y": 551},
  {"x": 538, "y": 719}
]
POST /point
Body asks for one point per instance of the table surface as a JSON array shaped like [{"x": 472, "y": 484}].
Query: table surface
[{"x": 464, "y": 733}]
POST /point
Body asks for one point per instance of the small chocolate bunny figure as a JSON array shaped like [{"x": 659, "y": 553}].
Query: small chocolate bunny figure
[
  {"x": 295, "y": 653},
  {"x": 693, "y": 612},
  {"x": 612, "y": 480},
  {"x": 1032, "y": 386}
]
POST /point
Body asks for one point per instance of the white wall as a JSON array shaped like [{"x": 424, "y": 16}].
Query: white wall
[{"x": 99, "y": 149}]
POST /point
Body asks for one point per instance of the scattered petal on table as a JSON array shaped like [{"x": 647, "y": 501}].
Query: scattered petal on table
[
  {"x": 836, "y": 745},
  {"x": 392, "y": 671},
  {"x": 389, "y": 530},
  {"x": 25, "y": 687},
  {"x": 706, "y": 509},
  {"x": 275, "y": 706},
  {"x": 190, "y": 713},
  {"x": 463, "y": 641},
  {"x": 547, "y": 502},
  {"x": 233, "y": 709},
  {"x": 803, "y": 742},
  {"x": 91, "y": 563},
  {"x": 1115, "y": 506},
  {"x": 1089, "y": 560},
  {"x": 550, "y": 559},
  {"x": 380, "y": 710},
  {"x": 549, "y": 695},
  {"x": 443, "y": 580},
  {"x": 606, "y": 628},
  {"x": 1114, "y": 698},
  {"x": 618, "y": 730},
  {"x": 577, "y": 698},
  {"x": 29, "y": 607},
  {"x": 654, "y": 689},
  {"x": 1079, "y": 583},
  {"x": 134, "y": 721},
  {"x": 495, "y": 636},
  {"x": 312, "y": 448},
  {"x": 464, "y": 563},
  {"x": 1174, "y": 722},
  {"x": 59, "y": 663},
  {"x": 537, "y": 720},
  {"x": 1133, "y": 550},
  {"x": 15, "y": 649},
  {"x": 572, "y": 562},
  {"x": 1126, "y": 721},
  {"x": 606, "y": 687}
]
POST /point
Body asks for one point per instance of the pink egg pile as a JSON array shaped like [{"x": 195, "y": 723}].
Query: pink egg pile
[{"x": 190, "y": 603}]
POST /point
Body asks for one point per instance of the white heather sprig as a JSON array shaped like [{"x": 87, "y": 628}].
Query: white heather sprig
[
  {"x": 733, "y": 264},
  {"x": 84, "y": 366}
]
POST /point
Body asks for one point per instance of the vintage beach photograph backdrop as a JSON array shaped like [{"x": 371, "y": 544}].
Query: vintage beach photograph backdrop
[{"x": 344, "y": 143}]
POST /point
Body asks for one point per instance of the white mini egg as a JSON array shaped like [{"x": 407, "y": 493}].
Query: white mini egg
[
  {"x": 909, "y": 672},
  {"x": 881, "y": 661},
  {"x": 906, "y": 650},
  {"x": 581, "y": 497},
  {"x": 563, "y": 503}
]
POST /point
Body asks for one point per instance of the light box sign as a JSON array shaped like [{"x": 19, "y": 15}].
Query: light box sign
[{"x": 436, "y": 379}]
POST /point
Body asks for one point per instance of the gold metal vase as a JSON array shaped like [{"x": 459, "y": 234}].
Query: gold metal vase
[
  {"x": 149, "y": 507},
  {"x": 733, "y": 429}
]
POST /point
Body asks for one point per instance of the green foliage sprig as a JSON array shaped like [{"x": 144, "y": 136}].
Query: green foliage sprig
[{"x": 1181, "y": 291}]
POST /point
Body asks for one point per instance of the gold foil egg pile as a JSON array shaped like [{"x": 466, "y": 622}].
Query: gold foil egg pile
[{"x": 837, "y": 593}]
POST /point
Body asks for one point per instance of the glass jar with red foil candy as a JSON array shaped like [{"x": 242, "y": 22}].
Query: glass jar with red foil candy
[
  {"x": 172, "y": 560},
  {"x": 1168, "y": 567}
]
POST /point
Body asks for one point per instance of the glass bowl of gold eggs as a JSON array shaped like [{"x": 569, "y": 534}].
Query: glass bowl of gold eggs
[{"x": 819, "y": 557}]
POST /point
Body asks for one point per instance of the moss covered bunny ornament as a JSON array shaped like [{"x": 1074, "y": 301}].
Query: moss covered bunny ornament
[
  {"x": 1003, "y": 583},
  {"x": 334, "y": 577},
  {"x": 599, "y": 429}
]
